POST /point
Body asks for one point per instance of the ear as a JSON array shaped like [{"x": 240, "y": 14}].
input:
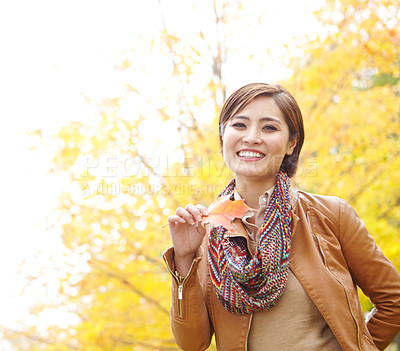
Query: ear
[{"x": 292, "y": 144}]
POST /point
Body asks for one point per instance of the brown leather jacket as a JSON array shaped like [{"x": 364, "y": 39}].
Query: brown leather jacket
[{"x": 331, "y": 254}]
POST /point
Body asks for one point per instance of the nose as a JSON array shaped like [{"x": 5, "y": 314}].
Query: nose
[{"x": 252, "y": 136}]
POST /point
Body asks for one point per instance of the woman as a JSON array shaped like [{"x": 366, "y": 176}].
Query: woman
[{"x": 286, "y": 277}]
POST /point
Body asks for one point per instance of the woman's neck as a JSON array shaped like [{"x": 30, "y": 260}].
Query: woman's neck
[{"x": 251, "y": 189}]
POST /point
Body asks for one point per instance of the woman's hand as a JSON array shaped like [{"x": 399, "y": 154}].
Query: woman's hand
[{"x": 187, "y": 234}]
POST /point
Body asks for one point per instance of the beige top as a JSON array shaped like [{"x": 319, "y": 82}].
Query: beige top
[{"x": 294, "y": 323}]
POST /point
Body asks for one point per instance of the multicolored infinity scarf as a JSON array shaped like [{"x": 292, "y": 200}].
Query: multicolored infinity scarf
[{"x": 234, "y": 272}]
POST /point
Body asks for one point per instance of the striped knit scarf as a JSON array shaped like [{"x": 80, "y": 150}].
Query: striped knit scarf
[{"x": 234, "y": 273}]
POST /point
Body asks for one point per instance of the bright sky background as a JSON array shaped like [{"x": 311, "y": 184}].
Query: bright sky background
[{"x": 53, "y": 53}]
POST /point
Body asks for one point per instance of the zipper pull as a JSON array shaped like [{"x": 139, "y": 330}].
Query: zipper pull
[
  {"x": 180, "y": 291},
  {"x": 180, "y": 298}
]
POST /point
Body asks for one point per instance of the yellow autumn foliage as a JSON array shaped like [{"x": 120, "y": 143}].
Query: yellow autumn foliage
[{"x": 347, "y": 84}]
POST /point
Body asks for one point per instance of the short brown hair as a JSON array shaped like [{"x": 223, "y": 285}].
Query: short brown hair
[{"x": 286, "y": 103}]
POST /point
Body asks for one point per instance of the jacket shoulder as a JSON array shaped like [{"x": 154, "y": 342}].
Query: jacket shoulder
[{"x": 329, "y": 207}]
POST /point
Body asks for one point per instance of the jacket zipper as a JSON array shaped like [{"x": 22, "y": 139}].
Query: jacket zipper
[
  {"x": 344, "y": 288},
  {"x": 181, "y": 283}
]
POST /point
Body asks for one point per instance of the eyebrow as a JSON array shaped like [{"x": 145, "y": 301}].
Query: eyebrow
[{"x": 273, "y": 119}]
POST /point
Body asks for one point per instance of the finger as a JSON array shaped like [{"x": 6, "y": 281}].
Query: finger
[
  {"x": 194, "y": 211},
  {"x": 175, "y": 219},
  {"x": 202, "y": 209},
  {"x": 200, "y": 228},
  {"x": 186, "y": 215}
]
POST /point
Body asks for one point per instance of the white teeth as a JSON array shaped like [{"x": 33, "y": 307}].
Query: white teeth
[{"x": 250, "y": 154}]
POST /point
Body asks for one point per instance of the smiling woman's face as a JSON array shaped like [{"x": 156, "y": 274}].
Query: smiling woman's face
[{"x": 256, "y": 140}]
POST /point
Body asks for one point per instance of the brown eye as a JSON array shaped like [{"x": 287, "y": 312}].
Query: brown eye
[{"x": 270, "y": 127}]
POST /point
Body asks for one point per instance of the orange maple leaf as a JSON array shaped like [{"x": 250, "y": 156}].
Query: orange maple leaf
[{"x": 223, "y": 211}]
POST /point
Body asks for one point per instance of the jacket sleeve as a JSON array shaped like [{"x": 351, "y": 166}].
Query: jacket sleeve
[
  {"x": 374, "y": 274},
  {"x": 190, "y": 322}
]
